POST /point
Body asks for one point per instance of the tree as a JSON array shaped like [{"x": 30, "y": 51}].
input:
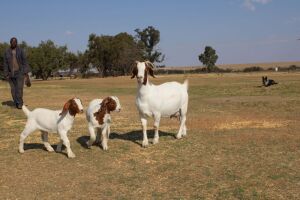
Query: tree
[
  {"x": 72, "y": 61},
  {"x": 209, "y": 58},
  {"x": 46, "y": 59},
  {"x": 113, "y": 55},
  {"x": 126, "y": 53},
  {"x": 83, "y": 63},
  {"x": 147, "y": 40},
  {"x": 3, "y": 47}
]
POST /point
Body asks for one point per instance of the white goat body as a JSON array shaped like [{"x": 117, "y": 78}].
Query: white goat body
[
  {"x": 165, "y": 100},
  {"x": 53, "y": 121},
  {"x": 99, "y": 119}
]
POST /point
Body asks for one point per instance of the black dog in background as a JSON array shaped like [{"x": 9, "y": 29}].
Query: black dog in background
[{"x": 268, "y": 82}]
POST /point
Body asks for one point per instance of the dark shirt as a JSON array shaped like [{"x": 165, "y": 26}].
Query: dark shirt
[{"x": 9, "y": 67}]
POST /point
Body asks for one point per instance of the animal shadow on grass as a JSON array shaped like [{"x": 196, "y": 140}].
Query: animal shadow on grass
[
  {"x": 133, "y": 136},
  {"x": 31, "y": 146},
  {"x": 137, "y": 136},
  {"x": 83, "y": 141},
  {"x": 8, "y": 103}
]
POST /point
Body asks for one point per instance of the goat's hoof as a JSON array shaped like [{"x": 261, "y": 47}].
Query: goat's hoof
[
  {"x": 105, "y": 148},
  {"x": 178, "y": 136},
  {"x": 50, "y": 149},
  {"x": 155, "y": 141},
  {"x": 21, "y": 150},
  {"x": 145, "y": 144},
  {"x": 88, "y": 145},
  {"x": 71, "y": 155}
]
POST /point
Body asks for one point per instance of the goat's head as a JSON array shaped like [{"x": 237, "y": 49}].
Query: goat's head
[
  {"x": 141, "y": 70},
  {"x": 74, "y": 106},
  {"x": 109, "y": 104}
]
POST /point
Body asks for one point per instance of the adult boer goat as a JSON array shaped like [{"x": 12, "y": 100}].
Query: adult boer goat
[{"x": 166, "y": 100}]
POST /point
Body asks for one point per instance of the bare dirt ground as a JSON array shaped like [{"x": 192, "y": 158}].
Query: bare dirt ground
[{"x": 243, "y": 142}]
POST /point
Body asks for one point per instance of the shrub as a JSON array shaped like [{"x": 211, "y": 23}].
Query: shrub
[{"x": 253, "y": 69}]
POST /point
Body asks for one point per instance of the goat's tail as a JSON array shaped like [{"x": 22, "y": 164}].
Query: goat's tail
[
  {"x": 186, "y": 84},
  {"x": 25, "y": 110}
]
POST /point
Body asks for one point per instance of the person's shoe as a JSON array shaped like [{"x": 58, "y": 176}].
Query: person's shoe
[{"x": 19, "y": 106}]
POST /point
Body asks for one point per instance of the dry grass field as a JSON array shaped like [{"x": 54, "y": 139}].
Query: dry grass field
[
  {"x": 243, "y": 66},
  {"x": 243, "y": 142}
]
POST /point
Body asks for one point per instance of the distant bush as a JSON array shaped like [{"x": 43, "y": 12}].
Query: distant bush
[
  {"x": 293, "y": 68},
  {"x": 290, "y": 68},
  {"x": 201, "y": 70},
  {"x": 253, "y": 69}
]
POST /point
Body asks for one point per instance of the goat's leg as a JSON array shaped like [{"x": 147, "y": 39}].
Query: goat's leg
[
  {"x": 183, "y": 119},
  {"x": 45, "y": 141},
  {"x": 66, "y": 142},
  {"x": 108, "y": 131},
  {"x": 98, "y": 136},
  {"x": 156, "y": 127},
  {"x": 104, "y": 138},
  {"x": 92, "y": 136},
  {"x": 182, "y": 127},
  {"x": 145, "y": 137},
  {"x": 28, "y": 129}
]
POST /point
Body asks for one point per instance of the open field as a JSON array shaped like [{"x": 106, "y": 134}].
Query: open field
[
  {"x": 243, "y": 66},
  {"x": 243, "y": 142}
]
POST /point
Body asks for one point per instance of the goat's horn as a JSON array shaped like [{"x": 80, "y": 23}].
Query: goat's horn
[{"x": 150, "y": 63}]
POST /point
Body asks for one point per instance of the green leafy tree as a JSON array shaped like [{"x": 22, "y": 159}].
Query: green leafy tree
[
  {"x": 209, "y": 58},
  {"x": 46, "y": 59},
  {"x": 72, "y": 61},
  {"x": 3, "y": 47},
  {"x": 83, "y": 63},
  {"x": 113, "y": 55},
  {"x": 148, "y": 40},
  {"x": 99, "y": 52}
]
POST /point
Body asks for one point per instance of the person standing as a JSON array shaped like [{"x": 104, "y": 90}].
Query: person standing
[{"x": 16, "y": 69}]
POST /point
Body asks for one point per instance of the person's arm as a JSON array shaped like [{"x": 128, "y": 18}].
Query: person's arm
[
  {"x": 24, "y": 62},
  {"x": 5, "y": 65}
]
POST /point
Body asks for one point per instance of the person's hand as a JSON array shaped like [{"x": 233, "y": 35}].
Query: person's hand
[{"x": 7, "y": 78}]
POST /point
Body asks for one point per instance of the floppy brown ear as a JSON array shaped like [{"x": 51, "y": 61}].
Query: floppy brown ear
[
  {"x": 103, "y": 104},
  {"x": 150, "y": 66},
  {"x": 66, "y": 107},
  {"x": 134, "y": 70}
]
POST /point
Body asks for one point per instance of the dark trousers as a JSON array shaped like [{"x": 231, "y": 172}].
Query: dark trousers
[{"x": 16, "y": 85}]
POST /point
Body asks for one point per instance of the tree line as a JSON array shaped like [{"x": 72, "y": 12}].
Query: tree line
[{"x": 109, "y": 55}]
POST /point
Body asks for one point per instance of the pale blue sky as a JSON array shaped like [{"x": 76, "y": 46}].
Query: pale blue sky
[{"x": 242, "y": 31}]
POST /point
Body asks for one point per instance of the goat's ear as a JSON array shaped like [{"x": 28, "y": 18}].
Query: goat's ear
[
  {"x": 104, "y": 103},
  {"x": 66, "y": 107},
  {"x": 150, "y": 66},
  {"x": 134, "y": 71}
]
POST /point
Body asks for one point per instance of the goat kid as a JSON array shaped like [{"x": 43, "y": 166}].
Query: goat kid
[
  {"x": 166, "y": 100},
  {"x": 99, "y": 119},
  {"x": 45, "y": 120}
]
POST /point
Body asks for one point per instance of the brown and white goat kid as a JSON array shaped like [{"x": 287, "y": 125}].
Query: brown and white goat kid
[
  {"x": 99, "y": 120},
  {"x": 166, "y": 100},
  {"x": 55, "y": 121}
]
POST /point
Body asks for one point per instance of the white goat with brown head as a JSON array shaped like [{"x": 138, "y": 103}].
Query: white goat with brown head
[
  {"x": 166, "y": 100},
  {"x": 99, "y": 119},
  {"x": 56, "y": 121}
]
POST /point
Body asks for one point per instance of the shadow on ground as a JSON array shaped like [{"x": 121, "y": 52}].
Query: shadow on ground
[
  {"x": 132, "y": 136},
  {"x": 8, "y": 103},
  {"x": 32, "y": 146}
]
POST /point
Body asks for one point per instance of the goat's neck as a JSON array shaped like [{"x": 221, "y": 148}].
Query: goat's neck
[
  {"x": 143, "y": 89},
  {"x": 69, "y": 117}
]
